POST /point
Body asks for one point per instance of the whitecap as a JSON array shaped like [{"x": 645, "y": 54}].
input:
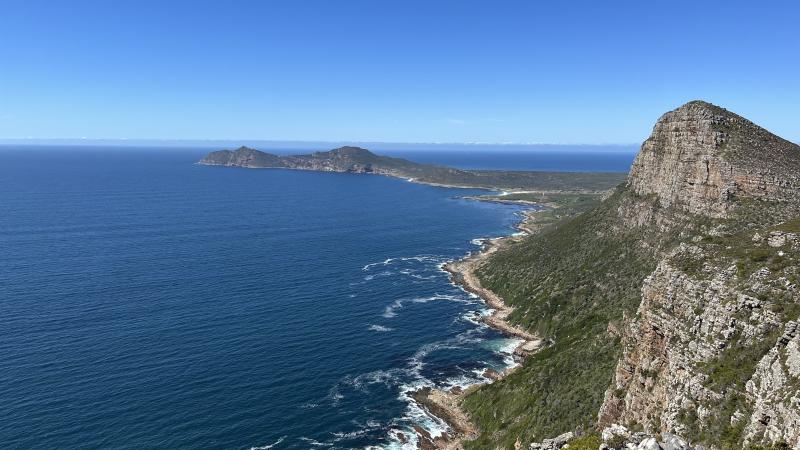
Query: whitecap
[
  {"x": 379, "y": 328},
  {"x": 391, "y": 310},
  {"x": 479, "y": 241},
  {"x": 390, "y": 261},
  {"x": 269, "y": 446},
  {"x": 314, "y": 442},
  {"x": 416, "y": 414}
]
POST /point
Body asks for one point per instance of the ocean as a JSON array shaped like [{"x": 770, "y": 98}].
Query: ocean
[{"x": 149, "y": 302}]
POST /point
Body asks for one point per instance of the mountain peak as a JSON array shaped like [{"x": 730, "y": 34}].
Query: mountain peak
[
  {"x": 348, "y": 150},
  {"x": 703, "y": 158}
]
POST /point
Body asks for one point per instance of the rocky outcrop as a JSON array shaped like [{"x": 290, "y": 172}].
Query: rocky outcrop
[
  {"x": 712, "y": 351},
  {"x": 701, "y": 158},
  {"x": 555, "y": 443},
  {"x": 715, "y": 346},
  {"x": 774, "y": 390}
]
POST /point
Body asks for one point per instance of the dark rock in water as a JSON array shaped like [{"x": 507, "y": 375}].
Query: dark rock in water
[
  {"x": 492, "y": 374},
  {"x": 401, "y": 437},
  {"x": 425, "y": 441}
]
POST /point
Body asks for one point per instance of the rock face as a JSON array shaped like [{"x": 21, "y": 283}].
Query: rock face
[
  {"x": 701, "y": 157},
  {"x": 712, "y": 352}
]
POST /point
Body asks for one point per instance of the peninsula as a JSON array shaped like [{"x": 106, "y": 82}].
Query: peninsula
[{"x": 363, "y": 161}]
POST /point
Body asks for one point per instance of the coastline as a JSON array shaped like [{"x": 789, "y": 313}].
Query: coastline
[
  {"x": 446, "y": 405},
  {"x": 433, "y": 183}
]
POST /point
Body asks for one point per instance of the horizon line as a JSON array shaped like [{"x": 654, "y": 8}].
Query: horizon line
[{"x": 4, "y": 140}]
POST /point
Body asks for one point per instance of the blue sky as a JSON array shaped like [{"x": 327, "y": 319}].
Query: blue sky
[{"x": 399, "y": 71}]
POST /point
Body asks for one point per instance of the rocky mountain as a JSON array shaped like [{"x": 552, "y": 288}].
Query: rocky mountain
[
  {"x": 701, "y": 158},
  {"x": 713, "y": 350},
  {"x": 360, "y": 160},
  {"x": 672, "y": 308}
]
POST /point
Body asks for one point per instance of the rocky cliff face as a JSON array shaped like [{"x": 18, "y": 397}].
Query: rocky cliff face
[
  {"x": 712, "y": 351},
  {"x": 701, "y": 158}
]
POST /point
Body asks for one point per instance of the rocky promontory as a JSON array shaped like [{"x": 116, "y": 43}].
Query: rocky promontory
[
  {"x": 671, "y": 308},
  {"x": 350, "y": 159}
]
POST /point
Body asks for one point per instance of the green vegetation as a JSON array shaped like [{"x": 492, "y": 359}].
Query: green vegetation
[
  {"x": 728, "y": 374},
  {"x": 738, "y": 362},
  {"x": 567, "y": 283},
  {"x": 544, "y": 181},
  {"x": 561, "y": 206},
  {"x": 586, "y": 442}
]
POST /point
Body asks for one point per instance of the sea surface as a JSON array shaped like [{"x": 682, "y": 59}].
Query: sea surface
[{"x": 149, "y": 302}]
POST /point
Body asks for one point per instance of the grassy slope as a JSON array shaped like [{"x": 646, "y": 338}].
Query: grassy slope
[
  {"x": 567, "y": 181},
  {"x": 567, "y": 283}
]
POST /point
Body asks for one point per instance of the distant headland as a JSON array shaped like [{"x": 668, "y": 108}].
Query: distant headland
[{"x": 360, "y": 160}]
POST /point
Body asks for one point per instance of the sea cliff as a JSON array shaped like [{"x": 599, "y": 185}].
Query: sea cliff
[{"x": 670, "y": 308}]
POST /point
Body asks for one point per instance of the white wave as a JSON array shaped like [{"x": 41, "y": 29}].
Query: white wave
[
  {"x": 464, "y": 381},
  {"x": 395, "y": 443},
  {"x": 417, "y": 415},
  {"x": 505, "y": 347},
  {"x": 391, "y": 310},
  {"x": 422, "y": 277},
  {"x": 371, "y": 265},
  {"x": 314, "y": 442},
  {"x": 379, "y": 328},
  {"x": 416, "y": 361},
  {"x": 269, "y": 446},
  {"x": 338, "y": 436},
  {"x": 475, "y": 318},
  {"x": 479, "y": 241},
  {"x": 362, "y": 430},
  {"x": 418, "y": 258}
]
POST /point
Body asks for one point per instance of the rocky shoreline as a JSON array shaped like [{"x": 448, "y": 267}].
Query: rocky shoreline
[{"x": 445, "y": 405}]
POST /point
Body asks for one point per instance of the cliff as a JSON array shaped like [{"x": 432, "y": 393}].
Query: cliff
[
  {"x": 711, "y": 352},
  {"x": 671, "y": 308},
  {"x": 702, "y": 158}
]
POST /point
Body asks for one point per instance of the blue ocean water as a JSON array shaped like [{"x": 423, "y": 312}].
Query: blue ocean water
[
  {"x": 149, "y": 302},
  {"x": 555, "y": 158}
]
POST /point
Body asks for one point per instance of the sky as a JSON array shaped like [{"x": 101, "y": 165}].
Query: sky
[{"x": 590, "y": 72}]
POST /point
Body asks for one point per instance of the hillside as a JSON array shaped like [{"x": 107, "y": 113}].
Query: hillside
[
  {"x": 671, "y": 307},
  {"x": 359, "y": 160}
]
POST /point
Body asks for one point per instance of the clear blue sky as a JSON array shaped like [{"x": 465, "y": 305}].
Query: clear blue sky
[{"x": 402, "y": 71}]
